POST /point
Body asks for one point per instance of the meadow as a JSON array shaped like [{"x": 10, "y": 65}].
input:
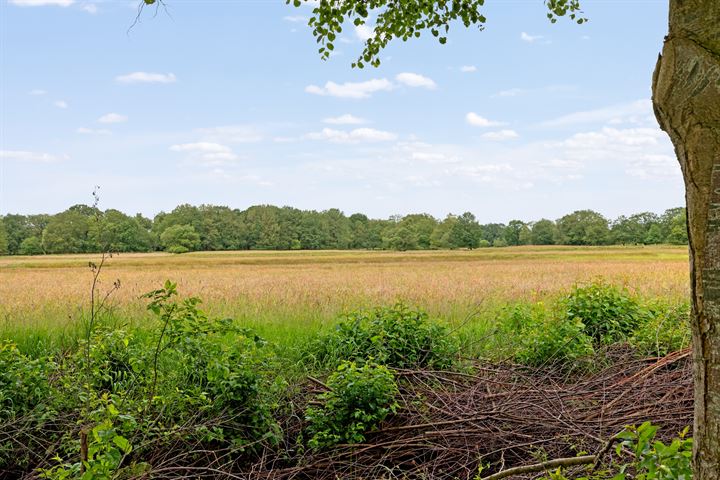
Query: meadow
[
  {"x": 254, "y": 379},
  {"x": 289, "y": 296}
]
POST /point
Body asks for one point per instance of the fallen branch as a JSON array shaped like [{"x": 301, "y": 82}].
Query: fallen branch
[{"x": 539, "y": 467}]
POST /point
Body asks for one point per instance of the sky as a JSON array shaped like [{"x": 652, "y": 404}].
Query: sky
[{"x": 228, "y": 103}]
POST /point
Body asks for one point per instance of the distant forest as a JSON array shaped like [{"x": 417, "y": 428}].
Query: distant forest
[{"x": 85, "y": 229}]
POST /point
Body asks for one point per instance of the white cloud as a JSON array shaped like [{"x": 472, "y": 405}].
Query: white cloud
[
  {"x": 91, "y": 8},
  {"x": 207, "y": 154},
  {"x": 357, "y": 135},
  {"x": 113, "y": 118},
  {"x": 500, "y": 135},
  {"x": 91, "y": 131},
  {"x": 511, "y": 92},
  {"x": 468, "y": 68},
  {"x": 60, "y": 104},
  {"x": 25, "y": 156},
  {"x": 204, "y": 147},
  {"x": 526, "y": 37},
  {"x": 296, "y": 18},
  {"x": 639, "y": 152},
  {"x": 145, "y": 77},
  {"x": 37, "y": 91},
  {"x": 415, "y": 80},
  {"x": 637, "y": 112},
  {"x": 477, "y": 121},
  {"x": 346, "y": 119},
  {"x": 41, "y": 3},
  {"x": 654, "y": 166},
  {"x": 351, "y": 89},
  {"x": 231, "y": 134},
  {"x": 364, "y": 32}
]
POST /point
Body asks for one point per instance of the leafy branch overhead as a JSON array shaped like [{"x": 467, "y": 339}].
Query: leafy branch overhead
[{"x": 405, "y": 19}]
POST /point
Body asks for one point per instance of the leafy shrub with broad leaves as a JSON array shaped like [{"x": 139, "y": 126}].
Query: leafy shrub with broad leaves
[
  {"x": 24, "y": 385},
  {"x": 107, "y": 447},
  {"x": 360, "y": 397},
  {"x": 397, "y": 336},
  {"x": 119, "y": 360},
  {"x": 27, "y": 404},
  {"x": 555, "y": 342},
  {"x": 608, "y": 312},
  {"x": 213, "y": 368},
  {"x": 651, "y": 459}
]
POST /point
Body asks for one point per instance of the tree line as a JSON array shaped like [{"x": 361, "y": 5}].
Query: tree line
[{"x": 85, "y": 229}]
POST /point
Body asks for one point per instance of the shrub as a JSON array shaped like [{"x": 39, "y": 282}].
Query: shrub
[
  {"x": 27, "y": 405},
  {"x": 666, "y": 330},
  {"x": 360, "y": 397},
  {"x": 555, "y": 341},
  {"x": 608, "y": 312},
  {"x": 24, "y": 385},
  {"x": 119, "y": 360},
  {"x": 214, "y": 368},
  {"x": 397, "y": 336},
  {"x": 653, "y": 459}
]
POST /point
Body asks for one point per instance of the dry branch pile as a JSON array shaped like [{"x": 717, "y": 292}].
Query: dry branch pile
[{"x": 501, "y": 416}]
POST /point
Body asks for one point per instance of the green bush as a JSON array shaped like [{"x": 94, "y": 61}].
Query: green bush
[
  {"x": 608, "y": 312},
  {"x": 27, "y": 405},
  {"x": 397, "y": 336},
  {"x": 666, "y": 330},
  {"x": 24, "y": 385},
  {"x": 119, "y": 360},
  {"x": 650, "y": 459},
  {"x": 360, "y": 397},
  {"x": 653, "y": 459},
  {"x": 213, "y": 368},
  {"x": 555, "y": 342}
]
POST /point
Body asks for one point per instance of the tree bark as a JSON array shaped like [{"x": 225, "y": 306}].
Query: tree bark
[{"x": 686, "y": 99}]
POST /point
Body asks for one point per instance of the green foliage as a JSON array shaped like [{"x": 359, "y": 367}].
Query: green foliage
[
  {"x": 653, "y": 459},
  {"x": 67, "y": 232},
  {"x": 107, "y": 448},
  {"x": 227, "y": 365},
  {"x": 31, "y": 246},
  {"x": 396, "y": 336},
  {"x": 665, "y": 330},
  {"x": 24, "y": 385},
  {"x": 583, "y": 227},
  {"x": 4, "y": 249},
  {"x": 180, "y": 239},
  {"x": 516, "y": 233},
  {"x": 27, "y": 404},
  {"x": 360, "y": 398},
  {"x": 554, "y": 341},
  {"x": 543, "y": 232},
  {"x": 119, "y": 360},
  {"x": 399, "y": 20},
  {"x": 83, "y": 229},
  {"x": 608, "y": 312}
]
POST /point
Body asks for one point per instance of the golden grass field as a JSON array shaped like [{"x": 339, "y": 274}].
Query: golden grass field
[{"x": 302, "y": 290}]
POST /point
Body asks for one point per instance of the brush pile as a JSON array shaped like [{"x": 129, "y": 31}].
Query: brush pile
[
  {"x": 498, "y": 417},
  {"x": 503, "y": 416}
]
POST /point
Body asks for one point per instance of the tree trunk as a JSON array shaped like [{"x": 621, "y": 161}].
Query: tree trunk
[{"x": 686, "y": 98}]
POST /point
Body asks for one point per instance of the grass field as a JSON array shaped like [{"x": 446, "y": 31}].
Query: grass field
[{"x": 290, "y": 295}]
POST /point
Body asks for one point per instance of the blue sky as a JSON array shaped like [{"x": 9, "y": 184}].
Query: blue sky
[{"x": 227, "y": 102}]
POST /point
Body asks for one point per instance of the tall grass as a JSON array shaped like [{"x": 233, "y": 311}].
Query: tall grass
[{"x": 289, "y": 296}]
